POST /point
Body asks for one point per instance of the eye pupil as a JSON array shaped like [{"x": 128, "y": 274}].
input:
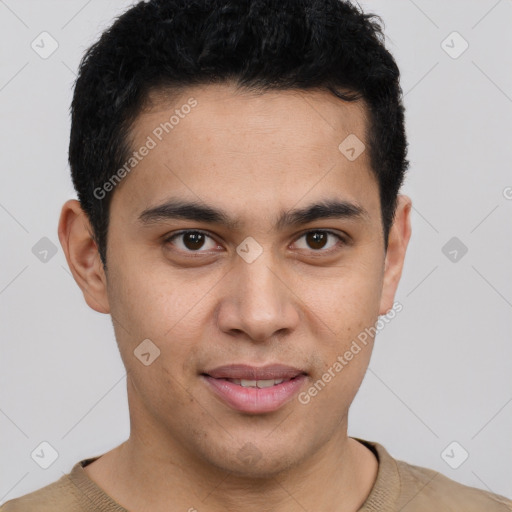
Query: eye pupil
[
  {"x": 193, "y": 240},
  {"x": 314, "y": 238}
]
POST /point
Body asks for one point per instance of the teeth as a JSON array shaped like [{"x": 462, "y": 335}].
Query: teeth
[
  {"x": 257, "y": 383},
  {"x": 265, "y": 383}
]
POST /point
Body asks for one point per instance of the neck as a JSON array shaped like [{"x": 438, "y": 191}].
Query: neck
[{"x": 153, "y": 470}]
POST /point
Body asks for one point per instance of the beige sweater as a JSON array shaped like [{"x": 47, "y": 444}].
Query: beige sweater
[{"x": 399, "y": 487}]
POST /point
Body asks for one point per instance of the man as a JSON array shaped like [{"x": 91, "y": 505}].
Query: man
[{"x": 238, "y": 167}]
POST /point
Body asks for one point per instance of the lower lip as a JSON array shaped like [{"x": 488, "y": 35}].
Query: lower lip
[{"x": 255, "y": 400}]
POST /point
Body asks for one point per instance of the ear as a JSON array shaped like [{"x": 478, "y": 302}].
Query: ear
[
  {"x": 399, "y": 235},
  {"x": 75, "y": 235}
]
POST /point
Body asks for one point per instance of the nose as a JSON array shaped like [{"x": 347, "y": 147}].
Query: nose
[{"x": 259, "y": 303}]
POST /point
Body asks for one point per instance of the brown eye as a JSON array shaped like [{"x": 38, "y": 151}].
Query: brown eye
[
  {"x": 191, "y": 241},
  {"x": 318, "y": 240}
]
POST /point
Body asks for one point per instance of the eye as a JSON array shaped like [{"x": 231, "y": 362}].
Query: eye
[
  {"x": 318, "y": 239},
  {"x": 194, "y": 240},
  {"x": 191, "y": 241}
]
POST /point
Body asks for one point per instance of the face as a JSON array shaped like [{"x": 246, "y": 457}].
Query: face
[{"x": 241, "y": 292}]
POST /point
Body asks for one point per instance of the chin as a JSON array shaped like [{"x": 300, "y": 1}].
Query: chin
[
  {"x": 264, "y": 469},
  {"x": 256, "y": 459}
]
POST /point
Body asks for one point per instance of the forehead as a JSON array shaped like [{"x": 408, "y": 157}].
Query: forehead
[
  {"x": 245, "y": 149},
  {"x": 221, "y": 105}
]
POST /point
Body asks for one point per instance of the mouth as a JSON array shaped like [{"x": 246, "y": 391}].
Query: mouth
[
  {"x": 255, "y": 390},
  {"x": 266, "y": 383}
]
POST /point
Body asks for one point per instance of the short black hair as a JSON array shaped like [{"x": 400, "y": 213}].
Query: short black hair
[{"x": 169, "y": 45}]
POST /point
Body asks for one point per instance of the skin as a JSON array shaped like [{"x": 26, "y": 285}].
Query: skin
[{"x": 252, "y": 155}]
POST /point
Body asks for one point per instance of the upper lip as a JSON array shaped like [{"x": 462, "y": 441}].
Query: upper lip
[{"x": 247, "y": 372}]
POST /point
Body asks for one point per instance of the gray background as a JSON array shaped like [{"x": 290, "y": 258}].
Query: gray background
[{"x": 440, "y": 372}]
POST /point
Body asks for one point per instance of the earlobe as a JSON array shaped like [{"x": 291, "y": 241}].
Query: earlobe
[
  {"x": 82, "y": 255},
  {"x": 399, "y": 236}
]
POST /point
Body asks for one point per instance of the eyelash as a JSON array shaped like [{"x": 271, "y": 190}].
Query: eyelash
[{"x": 341, "y": 239}]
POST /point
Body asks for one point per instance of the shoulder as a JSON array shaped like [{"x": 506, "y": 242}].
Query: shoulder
[
  {"x": 422, "y": 488},
  {"x": 410, "y": 488},
  {"x": 57, "y": 496}
]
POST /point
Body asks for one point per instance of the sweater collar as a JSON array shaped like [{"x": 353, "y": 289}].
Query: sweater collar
[{"x": 382, "y": 498}]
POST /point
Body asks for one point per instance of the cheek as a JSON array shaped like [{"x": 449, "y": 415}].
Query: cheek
[
  {"x": 149, "y": 308},
  {"x": 345, "y": 299},
  {"x": 152, "y": 302},
  {"x": 344, "y": 307},
  {"x": 334, "y": 385},
  {"x": 159, "y": 306}
]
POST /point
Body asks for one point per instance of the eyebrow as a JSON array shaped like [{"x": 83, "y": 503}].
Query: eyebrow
[{"x": 195, "y": 211}]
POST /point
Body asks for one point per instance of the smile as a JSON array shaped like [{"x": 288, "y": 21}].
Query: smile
[{"x": 255, "y": 390}]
